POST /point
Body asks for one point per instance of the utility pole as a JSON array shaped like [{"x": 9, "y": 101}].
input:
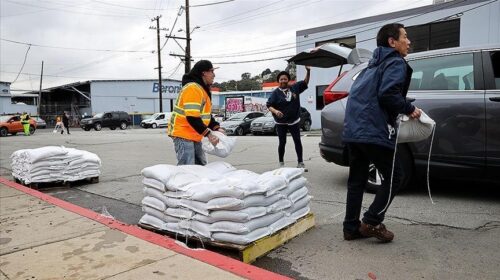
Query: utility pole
[
  {"x": 187, "y": 62},
  {"x": 160, "y": 88},
  {"x": 40, "y": 94}
]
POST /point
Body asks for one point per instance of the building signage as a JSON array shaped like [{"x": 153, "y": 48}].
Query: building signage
[
  {"x": 170, "y": 91},
  {"x": 234, "y": 105}
]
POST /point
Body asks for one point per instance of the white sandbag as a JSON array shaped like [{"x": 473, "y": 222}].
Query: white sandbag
[
  {"x": 301, "y": 203},
  {"x": 281, "y": 223},
  {"x": 231, "y": 203},
  {"x": 148, "y": 191},
  {"x": 300, "y": 213},
  {"x": 221, "y": 203},
  {"x": 242, "y": 174},
  {"x": 34, "y": 155},
  {"x": 174, "y": 227},
  {"x": 241, "y": 216},
  {"x": 241, "y": 239},
  {"x": 206, "y": 190},
  {"x": 152, "y": 221},
  {"x": 294, "y": 185},
  {"x": 160, "y": 172},
  {"x": 154, "y": 203},
  {"x": 247, "y": 185},
  {"x": 279, "y": 205},
  {"x": 223, "y": 148},
  {"x": 171, "y": 202},
  {"x": 247, "y": 227},
  {"x": 271, "y": 183},
  {"x": 196, "y": 206},
  {"x": 289, "y": 173},
  {"x": 180, "y": 213},
  {"x": 159, "y": 214},
  {"x": 151, "y": 182},
  {"x": 179, "y": 181},
  {"x": 201, "y": 171},
  {"x": 198, "y": 227},
  {"x": 298, "y": 194},
  {"x": 220, "y": 167},
  {"x": 414, "y": 130}
]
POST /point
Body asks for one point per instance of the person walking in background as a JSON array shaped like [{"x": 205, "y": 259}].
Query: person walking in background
[
  {"x": 25, "y": 121},
  {"x": 65, "y": 121},
  {"x": 192, "y": 118},
  {"x": 284, "y": 104},
  {"x": 376, "y": 98}
]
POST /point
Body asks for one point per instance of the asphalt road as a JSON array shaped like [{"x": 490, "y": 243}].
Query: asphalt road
[{"x": 458, "y": 237}]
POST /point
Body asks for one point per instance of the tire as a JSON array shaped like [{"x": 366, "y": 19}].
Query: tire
[
  {"x": 123, "y": 125},
  {"x": 87, "y": 129},
  {"x": 3, "y": 132},
  {"x": 307, "y": 125},
  {"x": 239, "y": 131},
  {"x": 14, "y": 133},
  {"x": 97, "y": 126},
  {"x": 32, "y": 130},
  {"x": 154, "y": 125},
  {"x": 112, "y": 127},
  {"x": 407, "y": 168}
]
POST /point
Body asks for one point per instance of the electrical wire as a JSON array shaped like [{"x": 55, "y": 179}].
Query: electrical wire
[
  {"x": 75, "y": 49},
  {"x": 24, "y": 62}
]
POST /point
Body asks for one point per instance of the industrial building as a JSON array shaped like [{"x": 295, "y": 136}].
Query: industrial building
[{"x": 444, "y": 24}]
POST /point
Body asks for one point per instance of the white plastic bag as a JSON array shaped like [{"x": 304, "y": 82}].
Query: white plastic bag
[
  {"x": 414, "y": 130},
  {"x": 223, "y": 148}
]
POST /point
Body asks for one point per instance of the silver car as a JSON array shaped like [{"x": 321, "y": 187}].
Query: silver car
[{"x": 460, "y": 89}]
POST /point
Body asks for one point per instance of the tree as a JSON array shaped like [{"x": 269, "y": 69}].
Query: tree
[{"x": 246, "y": 76}]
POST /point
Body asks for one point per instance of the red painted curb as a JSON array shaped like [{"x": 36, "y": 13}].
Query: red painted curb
[{"x": 208, "y": 257}]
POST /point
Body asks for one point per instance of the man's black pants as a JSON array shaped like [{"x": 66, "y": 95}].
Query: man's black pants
[{"x": 360, "y": 157}]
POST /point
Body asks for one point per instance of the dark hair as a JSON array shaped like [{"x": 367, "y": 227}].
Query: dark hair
[
  {"x": 281, "y": 74},
  {"x": 387, "y": 31},
  {"x": 196, "y": 73}
]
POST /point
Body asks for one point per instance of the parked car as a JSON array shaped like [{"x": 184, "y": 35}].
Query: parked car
[
  {"x": 266, "y": 124},
  {"x": 40, "y": 123},
  {"x": 156, "y": 120},
  {"x": 107, "y": 119},
  {"x": 239, "y": 124},
  {"x": 11, "y": 124},
  {"x": 460, "y": 89}
]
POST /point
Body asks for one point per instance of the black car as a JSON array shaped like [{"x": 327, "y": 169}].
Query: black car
[
  {"x": 107, "y": 119},
  {"x": 266, "y": 124},
  {"x": 239, "y": 124},
  {"x": 460, "y": 89}
]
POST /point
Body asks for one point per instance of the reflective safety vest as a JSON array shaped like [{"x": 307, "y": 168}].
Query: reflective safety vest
[{"x": 192, "y": 101}]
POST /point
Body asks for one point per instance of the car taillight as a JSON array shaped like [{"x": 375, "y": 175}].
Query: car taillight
[{"x": 330, "y": 95}]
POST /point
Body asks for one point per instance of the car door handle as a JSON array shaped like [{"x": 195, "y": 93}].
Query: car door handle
[{"x": 495, "y": 99}]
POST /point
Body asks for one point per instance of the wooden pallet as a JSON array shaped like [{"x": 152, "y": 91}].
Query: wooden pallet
[
  {"x": 39, "y": 185},
  {"x": 250, "y": 252}
]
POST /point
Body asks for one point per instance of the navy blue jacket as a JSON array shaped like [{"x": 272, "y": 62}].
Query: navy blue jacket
[
  {"x": 376, "y": 98},
  {"x": 290, "y": 109}
]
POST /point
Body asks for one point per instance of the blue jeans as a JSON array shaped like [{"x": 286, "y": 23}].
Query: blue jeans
[
  {"x": 360, "y": 156},
  {"x": 189, "y": 152}
]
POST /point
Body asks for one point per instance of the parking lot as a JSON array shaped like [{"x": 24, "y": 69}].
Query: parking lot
[{"x": 455, "y": 238}]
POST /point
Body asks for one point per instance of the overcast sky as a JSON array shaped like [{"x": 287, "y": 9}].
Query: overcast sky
[{"x": 81, "y": 40}]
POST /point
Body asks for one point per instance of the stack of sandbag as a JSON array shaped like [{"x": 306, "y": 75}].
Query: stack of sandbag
[
  {"x": 54, "y": 163},
  {"x": 221, "y": 203}
]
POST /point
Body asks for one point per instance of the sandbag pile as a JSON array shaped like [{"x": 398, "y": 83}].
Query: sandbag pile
[
  {"x": 221, "y": 203},
  {"x": 53, "y": 163}
]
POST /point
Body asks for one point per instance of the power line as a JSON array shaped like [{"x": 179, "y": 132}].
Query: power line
[
  {"x": 20, "y": 70},
  {"x": 209, "y": 4},
  {"x": 75, "y": 49},
  {"x": 127, "y": 7}
]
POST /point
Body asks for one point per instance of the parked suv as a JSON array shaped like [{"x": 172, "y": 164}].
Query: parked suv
[
  {"x": 107, "y": 119},
  {"x": 460, "y": 89},
  {"x": 12, "y": 124},
  {"x": 267, "y": 124}
]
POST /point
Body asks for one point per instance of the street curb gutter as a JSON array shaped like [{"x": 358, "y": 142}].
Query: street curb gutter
[{"x": 225, "y": 263}]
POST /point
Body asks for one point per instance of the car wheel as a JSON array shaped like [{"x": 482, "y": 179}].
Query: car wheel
[
  {"x": 239, "y": 131},
  {"x": 32, "y": 130},
  {"x": 3, "y": 132},
  {"x": 123, "y": 125},
  {"x": 87, "y": 129},
  {"x": 97, "y": 126},
  {"x": 153, "y": 125},
  {"x": 112, "y": 127},
  {"x": 307, "y": 125},
  {"x": 407, "y": 168}
]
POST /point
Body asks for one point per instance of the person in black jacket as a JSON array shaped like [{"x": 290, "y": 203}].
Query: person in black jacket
[
  {"x": 284, "y": 104},
  {"x": 65, "y": 120},
  {"x": 376, "y": 98}
]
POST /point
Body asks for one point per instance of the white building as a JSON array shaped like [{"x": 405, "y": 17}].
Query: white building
[
  {"x": 442, "y": 25},
  {"x": 8, "y": 106}
]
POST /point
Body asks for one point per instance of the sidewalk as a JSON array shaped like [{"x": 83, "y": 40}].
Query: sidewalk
[{"x": 42, "y": 237}]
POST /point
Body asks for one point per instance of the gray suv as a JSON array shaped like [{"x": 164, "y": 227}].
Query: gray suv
[{"x": 460, "y": 89}]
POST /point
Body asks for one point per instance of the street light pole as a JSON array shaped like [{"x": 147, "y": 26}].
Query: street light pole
[
  {"x": 160, "y": 88},
  {"x": 187, "y": 62}
]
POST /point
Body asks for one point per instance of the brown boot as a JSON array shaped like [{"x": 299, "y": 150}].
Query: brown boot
[{"x": 379, "y": 232}]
